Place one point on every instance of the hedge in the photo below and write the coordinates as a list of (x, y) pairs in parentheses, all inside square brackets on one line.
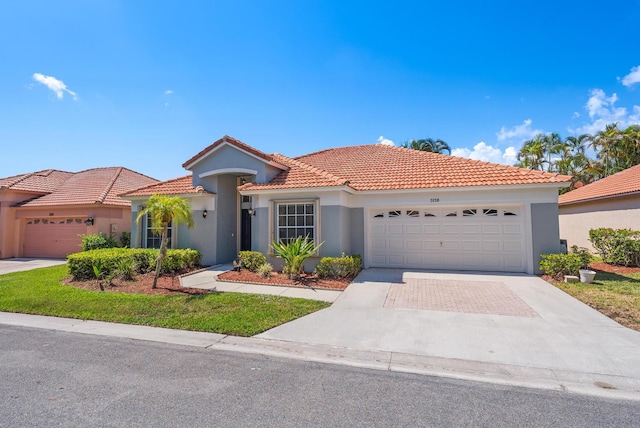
[(339, 267), (617, 246), (144, 259)]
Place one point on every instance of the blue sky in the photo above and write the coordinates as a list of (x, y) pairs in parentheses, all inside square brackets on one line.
[(147, 85)]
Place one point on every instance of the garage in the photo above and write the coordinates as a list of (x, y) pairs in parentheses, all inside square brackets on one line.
[(490, 238), (53, 237)]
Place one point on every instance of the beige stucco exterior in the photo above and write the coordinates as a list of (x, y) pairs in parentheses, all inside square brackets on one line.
[(622, 212)]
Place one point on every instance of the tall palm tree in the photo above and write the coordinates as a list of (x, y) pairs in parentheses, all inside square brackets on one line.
[(607, 144), (532, 154), (162, 210), (428, 145)]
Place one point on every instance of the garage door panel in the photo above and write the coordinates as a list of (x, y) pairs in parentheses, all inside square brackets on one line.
[(57, 237), (450, 229), (490, 229), (490, 241), (413, 245), (512, 229), (472, 229), (491, 245)]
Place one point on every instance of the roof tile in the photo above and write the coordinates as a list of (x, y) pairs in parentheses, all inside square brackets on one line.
[(92, 186), (381, 167), (175, 186), (621, 183)]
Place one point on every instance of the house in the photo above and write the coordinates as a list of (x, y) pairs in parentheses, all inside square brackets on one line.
[(42, 213), (613, 201), (396, 207)]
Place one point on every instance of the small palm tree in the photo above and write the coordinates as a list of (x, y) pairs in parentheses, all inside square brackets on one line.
[(162, 210)]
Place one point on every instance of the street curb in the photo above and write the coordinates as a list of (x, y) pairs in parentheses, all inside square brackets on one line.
[(592, 384)]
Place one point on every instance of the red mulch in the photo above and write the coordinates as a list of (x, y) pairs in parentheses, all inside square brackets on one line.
[(604, 267), (167, 284), (306, 280)]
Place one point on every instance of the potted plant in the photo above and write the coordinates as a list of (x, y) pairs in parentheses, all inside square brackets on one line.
[(586, 275)]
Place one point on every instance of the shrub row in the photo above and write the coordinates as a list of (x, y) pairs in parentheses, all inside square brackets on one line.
[(144, 260), (339, 267), (617, 246)]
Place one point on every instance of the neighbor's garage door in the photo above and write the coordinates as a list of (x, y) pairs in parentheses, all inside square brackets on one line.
[(467, 238), (53, 237)]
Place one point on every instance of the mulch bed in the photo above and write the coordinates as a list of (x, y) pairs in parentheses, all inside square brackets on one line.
[(167, 285), (306, 280), (605, 267)]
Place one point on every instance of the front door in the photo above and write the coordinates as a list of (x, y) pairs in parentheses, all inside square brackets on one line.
[(245, 231)]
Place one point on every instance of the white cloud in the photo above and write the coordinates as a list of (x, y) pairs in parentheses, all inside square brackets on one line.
[(603, 111), (168, 92), (522, 132), (57, 86), (483, 152), (385, 141), (632, 78)]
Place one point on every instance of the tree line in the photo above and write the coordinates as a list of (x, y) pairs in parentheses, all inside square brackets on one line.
[(615, 149)]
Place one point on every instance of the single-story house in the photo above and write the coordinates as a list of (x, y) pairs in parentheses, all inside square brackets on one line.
[(396, 207), (613, 201), (42, 213)]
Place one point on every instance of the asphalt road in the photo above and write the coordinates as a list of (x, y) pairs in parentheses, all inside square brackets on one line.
[(50, 378)]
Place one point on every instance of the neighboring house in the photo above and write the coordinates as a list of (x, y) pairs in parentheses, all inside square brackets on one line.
[(42, 213), (396, 207), (612, 202)]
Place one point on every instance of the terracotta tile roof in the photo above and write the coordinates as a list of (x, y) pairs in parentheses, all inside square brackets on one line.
[(45, 181), (232, 141), (175, 186), (624, 182), (92, 186), (382, 167)]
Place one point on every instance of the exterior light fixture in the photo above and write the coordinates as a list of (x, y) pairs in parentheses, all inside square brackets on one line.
[(89, 221), (251, 211), (205, 213)]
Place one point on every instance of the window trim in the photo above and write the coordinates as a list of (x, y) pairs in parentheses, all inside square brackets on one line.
[(145, 233), (275, 228)]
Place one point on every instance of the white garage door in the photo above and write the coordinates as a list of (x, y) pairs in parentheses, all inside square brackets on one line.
[(53, 237), (465, 238)]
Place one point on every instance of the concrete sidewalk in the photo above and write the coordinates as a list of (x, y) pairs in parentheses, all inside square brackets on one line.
[(22, 264), (207, 280)]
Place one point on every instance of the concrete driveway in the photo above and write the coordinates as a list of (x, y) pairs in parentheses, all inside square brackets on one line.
[(518, 320), (20, 264)]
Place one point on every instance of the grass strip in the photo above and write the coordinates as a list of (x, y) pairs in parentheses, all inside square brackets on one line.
[(41, 292), (615, 295)]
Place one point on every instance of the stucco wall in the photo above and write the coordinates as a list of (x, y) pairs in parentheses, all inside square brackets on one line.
[(357, 231), (544, 231), (617, 213)]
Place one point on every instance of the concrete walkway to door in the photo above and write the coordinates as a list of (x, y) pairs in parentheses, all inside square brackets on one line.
[(533, 327)]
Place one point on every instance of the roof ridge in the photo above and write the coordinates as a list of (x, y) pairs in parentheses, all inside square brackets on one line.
[(107, 189), (155, 184), (23, 177), (315, 170)]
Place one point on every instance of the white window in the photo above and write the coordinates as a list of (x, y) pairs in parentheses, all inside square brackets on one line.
[(294, 219), (152, 240)]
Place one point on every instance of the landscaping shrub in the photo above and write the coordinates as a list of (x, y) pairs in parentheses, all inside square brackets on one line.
[(121, 261), (125, 239), (584, 254), (265, 270), (617, 246), (559, 265), (339, 267), (251, 260), (294, 253), (95, 241)]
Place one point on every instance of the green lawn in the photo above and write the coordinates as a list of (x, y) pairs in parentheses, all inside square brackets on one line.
[(615, 295), (41, 292)]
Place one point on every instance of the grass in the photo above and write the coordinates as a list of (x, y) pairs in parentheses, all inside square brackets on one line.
[(615, 295), (41, 292)]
